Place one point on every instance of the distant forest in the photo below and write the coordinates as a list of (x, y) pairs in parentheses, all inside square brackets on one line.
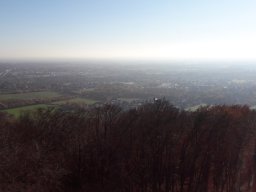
[(153, 148)]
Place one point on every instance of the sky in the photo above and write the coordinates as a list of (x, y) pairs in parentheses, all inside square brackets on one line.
[(128, 29)]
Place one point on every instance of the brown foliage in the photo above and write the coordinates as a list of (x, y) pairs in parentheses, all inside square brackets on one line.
[(154, 148)]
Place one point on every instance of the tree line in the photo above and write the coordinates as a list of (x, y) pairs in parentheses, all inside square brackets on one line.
[(154, 148)]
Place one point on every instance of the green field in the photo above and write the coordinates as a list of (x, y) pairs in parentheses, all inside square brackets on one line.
[(39, 95), (17, 111), (30, 95), (77, 101)]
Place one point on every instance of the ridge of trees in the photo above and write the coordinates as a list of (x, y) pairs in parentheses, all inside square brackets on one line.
[(155, 148)]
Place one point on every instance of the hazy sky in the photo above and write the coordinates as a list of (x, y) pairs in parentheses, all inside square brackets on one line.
[(133, 29)]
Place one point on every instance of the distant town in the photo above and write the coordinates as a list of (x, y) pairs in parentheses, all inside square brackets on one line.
[(31, 85)]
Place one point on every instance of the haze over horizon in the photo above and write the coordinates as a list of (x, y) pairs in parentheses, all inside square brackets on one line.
[(145, 29)]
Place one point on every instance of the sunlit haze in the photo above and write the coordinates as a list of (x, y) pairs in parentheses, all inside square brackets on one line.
[(128, 29)]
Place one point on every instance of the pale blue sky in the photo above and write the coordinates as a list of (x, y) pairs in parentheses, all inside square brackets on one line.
[(128, 29)]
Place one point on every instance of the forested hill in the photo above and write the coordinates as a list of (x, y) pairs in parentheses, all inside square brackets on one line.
[(155, 148)]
